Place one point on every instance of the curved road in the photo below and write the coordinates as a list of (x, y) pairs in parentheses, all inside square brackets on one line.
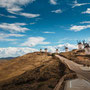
[(76, 68)]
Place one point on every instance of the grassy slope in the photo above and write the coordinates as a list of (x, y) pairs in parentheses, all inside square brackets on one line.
[(34, 71), (77, 56)]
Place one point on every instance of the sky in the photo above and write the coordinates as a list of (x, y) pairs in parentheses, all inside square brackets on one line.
[(28, 25)]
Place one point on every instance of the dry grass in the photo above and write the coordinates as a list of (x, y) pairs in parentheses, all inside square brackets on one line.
[(77, 56), (33, 71), (19, 65)]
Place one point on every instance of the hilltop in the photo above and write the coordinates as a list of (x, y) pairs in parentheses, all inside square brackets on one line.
[(33, 71), (77, 56)]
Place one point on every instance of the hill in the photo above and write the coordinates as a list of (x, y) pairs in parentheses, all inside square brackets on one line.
[(77, 56), (8, 58), (33, 71)]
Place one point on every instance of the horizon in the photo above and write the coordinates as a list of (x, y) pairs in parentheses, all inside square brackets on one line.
[(28, 25)]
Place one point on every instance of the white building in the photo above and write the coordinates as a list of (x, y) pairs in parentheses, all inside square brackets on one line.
[(66, 49), (87, 49), (80, 46), (46, 50), (40, 50), (57, 51)]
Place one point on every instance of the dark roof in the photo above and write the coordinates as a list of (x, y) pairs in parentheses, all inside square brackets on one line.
[(79, 43), (66, 47), (45, 48), (86, 45)]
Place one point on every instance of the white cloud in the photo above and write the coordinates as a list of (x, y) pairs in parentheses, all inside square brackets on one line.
[(73, 40), (79, 28), (14, 10), (9, 16), (76, 4), (57, 11), (33, 41), (6, 37), (87, 11), (61, 47), (14, 27), (49, 32), (64, 40), (50, 48), (70, 46), (85, 22), (54, 2), (15, 51), (29, 15), (14, 5), (11, 35)]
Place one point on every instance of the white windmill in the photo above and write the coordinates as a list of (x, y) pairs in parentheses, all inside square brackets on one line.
[(57, 49), (46, 50), (40, 50), (66, 48), (86, 48), (80, 45)]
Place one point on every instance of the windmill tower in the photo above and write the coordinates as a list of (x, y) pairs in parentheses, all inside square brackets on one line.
[(80, 45), (40, 50), (66, 49), (46, 50), (86, 48), (57, 51)]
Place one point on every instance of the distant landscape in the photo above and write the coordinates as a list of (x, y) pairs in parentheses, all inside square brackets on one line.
[(38, 70), (8, 58), (44, 44)]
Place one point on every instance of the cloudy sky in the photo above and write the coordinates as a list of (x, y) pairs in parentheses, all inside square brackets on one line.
[(27, 25)]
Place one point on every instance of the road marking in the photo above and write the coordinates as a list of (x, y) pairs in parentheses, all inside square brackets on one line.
[(70, 84)]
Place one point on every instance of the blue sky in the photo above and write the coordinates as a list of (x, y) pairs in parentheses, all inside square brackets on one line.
[(43, 23)]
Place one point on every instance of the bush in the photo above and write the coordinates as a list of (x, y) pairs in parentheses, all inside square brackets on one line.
[(53, 55)]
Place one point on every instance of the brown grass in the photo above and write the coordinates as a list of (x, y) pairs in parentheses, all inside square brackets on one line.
[(33, 71), (77, 56)]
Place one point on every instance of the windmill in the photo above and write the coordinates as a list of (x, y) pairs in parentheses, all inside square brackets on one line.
[(80, 45), (57, 49), (40, 50), (84, 43), (86, 48), (46, 50), (66, 48)]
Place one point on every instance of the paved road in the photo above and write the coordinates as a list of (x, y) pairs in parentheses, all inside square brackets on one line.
[(82, 73), (76, 67), (77, 84)]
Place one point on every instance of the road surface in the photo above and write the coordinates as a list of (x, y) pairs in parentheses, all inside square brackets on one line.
[(76, 68), (82, 73), (77, 84)]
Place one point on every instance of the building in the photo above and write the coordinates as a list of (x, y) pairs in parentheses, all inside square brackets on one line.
[(57, 51), (46, 50), (40, 50), (80, 45), (87, 49), (66, 49)]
